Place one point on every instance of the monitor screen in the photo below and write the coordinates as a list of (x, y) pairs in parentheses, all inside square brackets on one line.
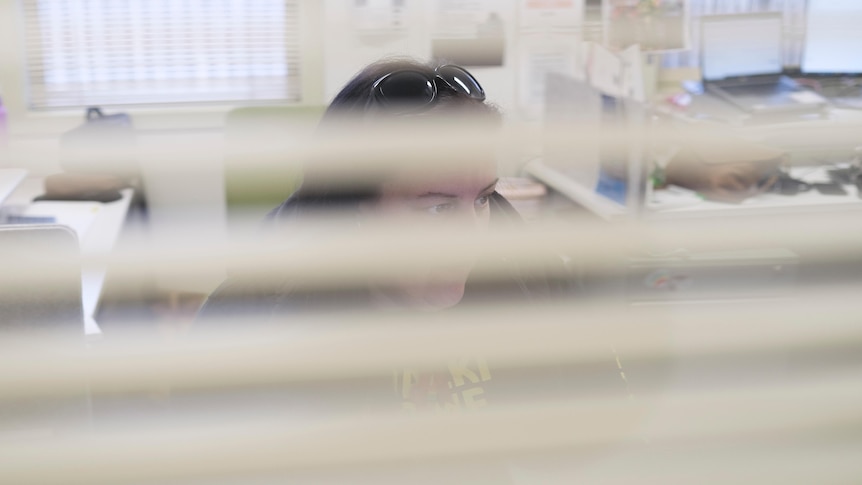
[(741, 45), (571, 102), (833, 40), (605, 177)]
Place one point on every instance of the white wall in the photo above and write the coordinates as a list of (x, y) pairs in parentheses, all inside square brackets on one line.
[(345, 55)]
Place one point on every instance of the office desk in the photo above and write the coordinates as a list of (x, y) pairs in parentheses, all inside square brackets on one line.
[(97, 235), (674, 203), (830, 133), (679, 203)]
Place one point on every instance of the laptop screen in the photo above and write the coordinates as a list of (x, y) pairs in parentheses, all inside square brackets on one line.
[(833, 39), (741, 45)]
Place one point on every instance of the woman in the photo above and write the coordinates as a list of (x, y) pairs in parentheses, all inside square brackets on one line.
[(457, 194), (399, 99), (460, 197)]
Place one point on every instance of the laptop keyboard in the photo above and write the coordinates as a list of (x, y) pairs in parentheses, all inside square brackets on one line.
[(762, 90), (841, 90)]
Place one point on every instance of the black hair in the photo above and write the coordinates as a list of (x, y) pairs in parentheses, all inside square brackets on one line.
[(354, 104), (356, 96)]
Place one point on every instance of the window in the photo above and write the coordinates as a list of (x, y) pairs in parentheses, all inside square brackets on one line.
[(125, 52)]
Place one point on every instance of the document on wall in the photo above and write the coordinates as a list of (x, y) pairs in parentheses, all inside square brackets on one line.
[(619, 74), (657, 26), (633, 84), (604, 69), (468, 32), (461, 18), (540, 55), (550, 15), (379, 17)]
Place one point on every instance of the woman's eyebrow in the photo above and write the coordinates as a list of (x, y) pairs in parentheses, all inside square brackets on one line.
[(452, 196), (437, 194)]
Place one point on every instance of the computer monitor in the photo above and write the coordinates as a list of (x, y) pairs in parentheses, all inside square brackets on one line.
[(40, 301), (833, 40), (741, 45), (606, 178)]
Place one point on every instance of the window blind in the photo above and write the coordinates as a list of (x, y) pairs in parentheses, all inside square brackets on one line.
[(126, 52)]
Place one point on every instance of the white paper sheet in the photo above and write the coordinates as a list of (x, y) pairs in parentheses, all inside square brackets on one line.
[(379, 17), (604, 69), (456, 19), (632, 85), (656, 26), (550, 15)]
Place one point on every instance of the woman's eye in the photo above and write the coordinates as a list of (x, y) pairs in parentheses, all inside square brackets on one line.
[(483, 201), (441, 208)]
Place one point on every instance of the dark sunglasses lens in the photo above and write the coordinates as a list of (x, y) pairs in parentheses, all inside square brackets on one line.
[(407, 88), (462, 81)]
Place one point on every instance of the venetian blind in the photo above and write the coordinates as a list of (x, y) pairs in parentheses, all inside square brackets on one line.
[(126, 52)]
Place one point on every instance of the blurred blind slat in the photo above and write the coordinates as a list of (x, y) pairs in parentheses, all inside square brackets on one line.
[(121, 52)]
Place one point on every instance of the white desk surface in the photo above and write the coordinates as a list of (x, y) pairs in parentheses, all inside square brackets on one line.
[(97, 235), (678, 202), (833, 132)]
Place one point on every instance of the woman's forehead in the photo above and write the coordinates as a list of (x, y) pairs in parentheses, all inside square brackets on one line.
[(470, 179)]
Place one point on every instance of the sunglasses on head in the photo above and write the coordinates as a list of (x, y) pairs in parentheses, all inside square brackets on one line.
[(409, 90)]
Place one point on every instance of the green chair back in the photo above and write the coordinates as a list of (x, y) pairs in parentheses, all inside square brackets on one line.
[(261, 166)]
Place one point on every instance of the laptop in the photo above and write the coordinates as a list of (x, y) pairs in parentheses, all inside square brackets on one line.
[(742, 63), (830, 56)]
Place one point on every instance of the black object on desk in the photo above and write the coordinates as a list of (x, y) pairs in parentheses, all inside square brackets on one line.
[(843, 176), (94, 196), (787, 185), (830, 188)]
